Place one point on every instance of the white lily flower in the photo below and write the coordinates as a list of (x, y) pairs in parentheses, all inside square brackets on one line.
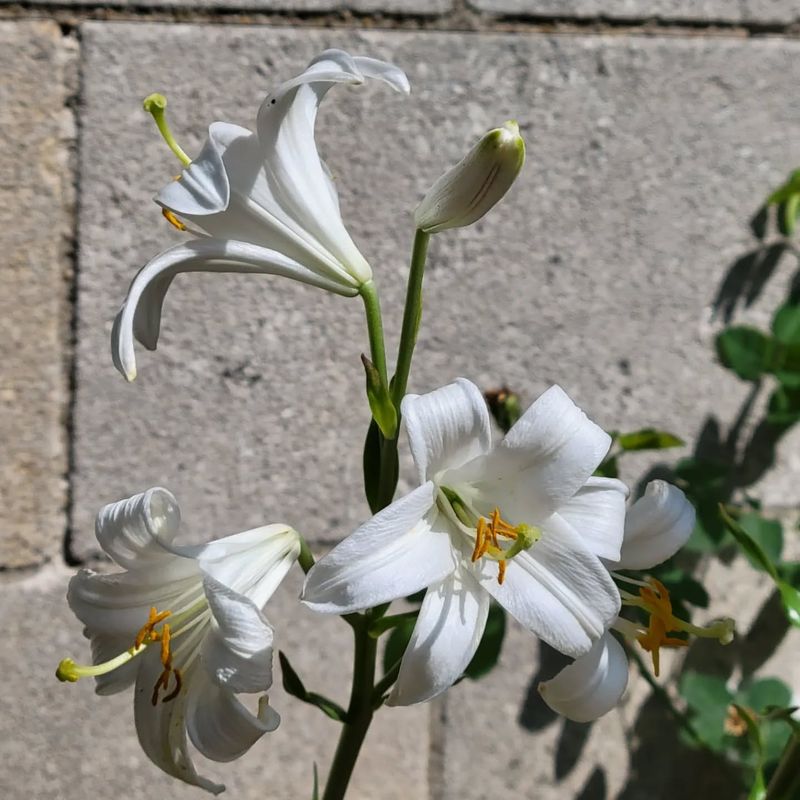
[(658, 524), (184, 624), (523, 523), (265, 200)]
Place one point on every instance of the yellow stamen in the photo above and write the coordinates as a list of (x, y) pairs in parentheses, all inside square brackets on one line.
[(172, 219), (68, 670), (655, 600), (489, 532), (147, 630)]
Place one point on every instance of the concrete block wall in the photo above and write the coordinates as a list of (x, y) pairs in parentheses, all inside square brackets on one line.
[(653, 132)]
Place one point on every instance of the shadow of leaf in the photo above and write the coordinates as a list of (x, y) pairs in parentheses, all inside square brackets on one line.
[(595, 788), (535, 714), (571, 744)]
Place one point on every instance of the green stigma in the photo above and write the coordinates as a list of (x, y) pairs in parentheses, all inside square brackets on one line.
[(156, 105)]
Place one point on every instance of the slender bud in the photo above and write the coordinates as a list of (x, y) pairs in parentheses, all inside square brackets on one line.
[(469, 189)]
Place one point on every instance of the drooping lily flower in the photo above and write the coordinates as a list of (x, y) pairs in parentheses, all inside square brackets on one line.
[(523, 523), (656, 527), (184, 624), (264, 203)]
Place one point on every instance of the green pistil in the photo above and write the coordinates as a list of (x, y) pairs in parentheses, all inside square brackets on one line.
[(156, 105)]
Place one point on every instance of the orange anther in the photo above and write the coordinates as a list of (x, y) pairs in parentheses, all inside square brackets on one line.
[(172, 219), (501, 571)]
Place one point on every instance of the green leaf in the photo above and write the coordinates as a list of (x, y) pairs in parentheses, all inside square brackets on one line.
[(383, 624), (786, 324), (768, 533), (746, 351), (608, 469), (784, 192), (315, 790), (372, 465), (682, 587), (396, 643), (295, 687), (783, 409), (708, 699), (790, 212), (488, 652), (380, 402), (790, 597), (291, 680), (760, 694), (648, 439)]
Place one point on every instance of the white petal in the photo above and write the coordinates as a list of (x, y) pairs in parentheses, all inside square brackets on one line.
[(398, 552), (447, 427), (297, 179), (220, 727), (547, 456), (119, 604), (592, 685), (105, 647), (658, 524), (597, 512), (137, 531), (140, 315), (383, 71), (557, 590), (446, 636), (252, 563), (161, 728), (203, 187), (237, 650)]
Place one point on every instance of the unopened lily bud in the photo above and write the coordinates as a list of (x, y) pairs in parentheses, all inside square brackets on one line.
[(469, 189)]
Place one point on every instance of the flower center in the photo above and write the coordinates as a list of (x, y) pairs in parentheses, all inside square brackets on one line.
[(654, 599), (148, 634), (495, 538)]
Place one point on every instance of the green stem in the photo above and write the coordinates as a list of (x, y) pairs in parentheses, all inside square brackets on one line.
[(377, 348), (411, 317), (785, 783), (359, 712)]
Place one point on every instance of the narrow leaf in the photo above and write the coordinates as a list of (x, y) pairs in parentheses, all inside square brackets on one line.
[(380, 402), (648, 439), (291, 680), (790, 597)]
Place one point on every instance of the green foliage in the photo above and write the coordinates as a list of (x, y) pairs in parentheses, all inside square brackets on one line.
[(380, 403), (767, 533), (488, 653), (708, 699), (745, 350), (790, 597), (707, 484), (295, 687), (648, 439), (397, 642)]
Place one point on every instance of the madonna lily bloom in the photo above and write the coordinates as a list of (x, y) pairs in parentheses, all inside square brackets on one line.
[(523, 523), (184, 625), (264, 202), (656, 527)]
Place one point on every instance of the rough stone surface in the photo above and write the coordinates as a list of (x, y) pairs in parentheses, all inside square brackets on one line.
[(743, 11), (35, 229), (646, 159), (389, 7), (65, 743)]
